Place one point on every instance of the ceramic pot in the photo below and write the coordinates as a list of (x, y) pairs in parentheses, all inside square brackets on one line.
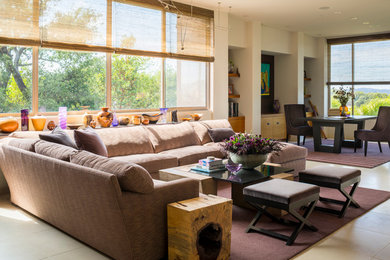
[(51, 125), (87, 118), (9, 125), (124, 120), (105, 117), (248, 161), (38, 122)]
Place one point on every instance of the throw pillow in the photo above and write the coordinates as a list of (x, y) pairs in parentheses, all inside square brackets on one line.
[(25, 144), (57, 151), (58, 136), (90, 141), (220, 134), (131, 177)]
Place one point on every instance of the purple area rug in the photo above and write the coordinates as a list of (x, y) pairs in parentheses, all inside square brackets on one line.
[(347, 156), (247, 246)]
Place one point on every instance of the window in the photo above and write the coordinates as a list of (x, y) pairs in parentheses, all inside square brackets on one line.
[(185, 83), (136, 82), (363, 67), (71, 79), (15, 78), (129, 55)]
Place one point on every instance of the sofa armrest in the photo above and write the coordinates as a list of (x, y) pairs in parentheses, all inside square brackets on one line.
[(145, 215)]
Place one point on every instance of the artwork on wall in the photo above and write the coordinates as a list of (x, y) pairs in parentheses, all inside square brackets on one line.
[(265, 79)]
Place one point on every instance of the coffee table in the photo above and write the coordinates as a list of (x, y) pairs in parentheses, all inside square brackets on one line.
[(239, 180)]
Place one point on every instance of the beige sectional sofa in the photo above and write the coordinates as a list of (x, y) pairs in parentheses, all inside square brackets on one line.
[(93, 204), (157, 147)]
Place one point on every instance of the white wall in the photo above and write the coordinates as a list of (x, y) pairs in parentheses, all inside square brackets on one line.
[(219, 71), (311, 47), (276, 41), (237, 32)]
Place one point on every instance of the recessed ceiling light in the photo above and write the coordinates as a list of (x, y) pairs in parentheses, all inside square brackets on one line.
[(366, 23), (354, 18), (337, 12), (324, 8)]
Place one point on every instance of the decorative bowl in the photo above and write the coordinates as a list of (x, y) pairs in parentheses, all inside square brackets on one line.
[(153, 119), (9, 125), (74, 126), (196, 117)]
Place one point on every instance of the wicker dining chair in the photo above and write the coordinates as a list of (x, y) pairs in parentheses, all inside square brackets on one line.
[(294, 114), (379, 133)]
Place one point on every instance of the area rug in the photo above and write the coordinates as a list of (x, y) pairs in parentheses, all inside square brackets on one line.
[(248, 246), (347, 156)]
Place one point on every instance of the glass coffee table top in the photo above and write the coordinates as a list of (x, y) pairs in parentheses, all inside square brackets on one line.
[(243, 176)]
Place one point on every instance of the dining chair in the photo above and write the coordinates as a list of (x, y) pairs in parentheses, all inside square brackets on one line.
[(295, 123), (379, 133)]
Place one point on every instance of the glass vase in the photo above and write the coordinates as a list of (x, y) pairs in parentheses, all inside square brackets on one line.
[(24, 119), (62, 116)]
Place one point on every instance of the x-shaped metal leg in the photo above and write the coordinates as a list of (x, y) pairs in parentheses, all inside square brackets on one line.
[(302, 221), (349, 201)]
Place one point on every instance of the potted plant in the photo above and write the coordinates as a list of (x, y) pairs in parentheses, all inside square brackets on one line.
[(250, 150), (342, 94)]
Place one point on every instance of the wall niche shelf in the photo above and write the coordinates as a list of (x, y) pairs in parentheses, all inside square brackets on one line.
[(234, 96), (307, 79), (307, 96)]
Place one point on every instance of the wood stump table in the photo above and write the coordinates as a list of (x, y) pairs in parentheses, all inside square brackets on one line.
[(199, 228)]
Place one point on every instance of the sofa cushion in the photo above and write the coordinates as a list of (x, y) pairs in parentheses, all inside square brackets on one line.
[(167, 137), (152, 162), (58, 136), (289, 152), (126, 140), (90, 141), (202, 127), (131, 177), (220, 134), (35, 134), (25, 144), (192, 154), (57, 151)]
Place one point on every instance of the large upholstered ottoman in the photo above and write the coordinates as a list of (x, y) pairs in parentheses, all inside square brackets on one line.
[(336, 178), (291, 156), (286, 195)]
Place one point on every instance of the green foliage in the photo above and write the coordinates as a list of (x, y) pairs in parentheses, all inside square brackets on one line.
[(135, 82), (71, 79), (372, 107)]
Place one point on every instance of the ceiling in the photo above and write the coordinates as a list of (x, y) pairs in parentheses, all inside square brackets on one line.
[(319, 18)]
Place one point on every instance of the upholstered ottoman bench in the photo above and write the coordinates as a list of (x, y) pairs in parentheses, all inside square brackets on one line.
[(336, 178), (282, 194)]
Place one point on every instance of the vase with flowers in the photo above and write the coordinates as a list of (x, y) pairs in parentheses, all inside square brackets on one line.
[(343, 94), (250, 150)]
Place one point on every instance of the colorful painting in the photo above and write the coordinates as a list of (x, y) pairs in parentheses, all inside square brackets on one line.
[(265, 79)]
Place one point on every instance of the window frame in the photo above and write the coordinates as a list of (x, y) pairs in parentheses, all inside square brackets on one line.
[(352, 83), (35, 90)]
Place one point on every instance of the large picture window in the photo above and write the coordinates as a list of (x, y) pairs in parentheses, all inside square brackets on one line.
[(364, 69)]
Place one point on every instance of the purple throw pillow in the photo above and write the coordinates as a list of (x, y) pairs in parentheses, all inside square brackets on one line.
[(220, 134), (90, 141)]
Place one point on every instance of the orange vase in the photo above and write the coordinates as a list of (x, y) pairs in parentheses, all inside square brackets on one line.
[(343, 110), (104, 117)]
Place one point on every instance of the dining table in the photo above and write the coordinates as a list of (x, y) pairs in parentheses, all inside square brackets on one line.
[(338, 123)]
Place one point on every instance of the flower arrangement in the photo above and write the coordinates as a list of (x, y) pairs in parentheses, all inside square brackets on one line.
[(343, 94), (243, 143)]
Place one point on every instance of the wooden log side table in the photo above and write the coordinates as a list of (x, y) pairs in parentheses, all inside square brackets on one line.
[(199, 228)]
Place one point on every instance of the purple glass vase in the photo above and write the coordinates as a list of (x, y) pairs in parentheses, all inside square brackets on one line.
[(62, 113), (24, 119), (115, 121)]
